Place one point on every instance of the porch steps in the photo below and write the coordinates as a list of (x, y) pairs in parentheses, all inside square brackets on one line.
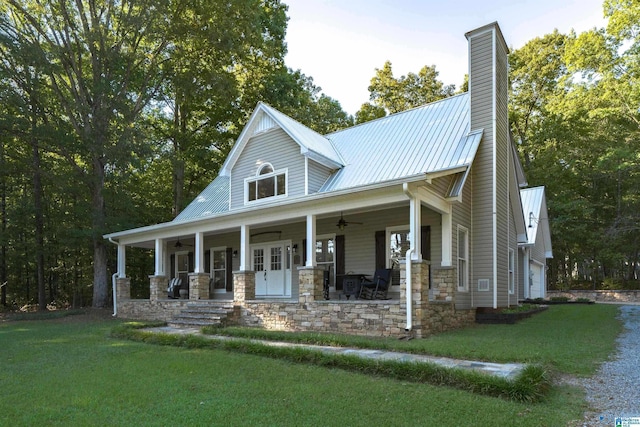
[(198, 314)]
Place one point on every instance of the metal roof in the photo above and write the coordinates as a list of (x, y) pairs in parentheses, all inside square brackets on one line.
[(311, 142), (532, 199), (431, 138), (213, 199), (427, 139)]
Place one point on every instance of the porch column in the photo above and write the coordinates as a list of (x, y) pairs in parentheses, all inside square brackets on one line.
[(415, 223), (122, 260), (159, 257), (446, 239), (311, 241), (245, 245), (198, 266)]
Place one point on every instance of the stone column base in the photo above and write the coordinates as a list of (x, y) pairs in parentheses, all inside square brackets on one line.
[(158, 287), (123, 288), (199, 286), (244, 286), (310, 279)]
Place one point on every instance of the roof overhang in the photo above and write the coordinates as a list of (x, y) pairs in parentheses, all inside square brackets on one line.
[(385, 193)]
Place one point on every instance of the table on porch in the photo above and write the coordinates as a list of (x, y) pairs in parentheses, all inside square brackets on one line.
[(351, 284)]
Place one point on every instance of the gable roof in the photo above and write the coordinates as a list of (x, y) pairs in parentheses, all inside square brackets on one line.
[(312, 144), (534, 207), (423, 143)]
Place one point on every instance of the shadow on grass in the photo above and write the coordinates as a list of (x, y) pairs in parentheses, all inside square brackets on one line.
[(531, 385)]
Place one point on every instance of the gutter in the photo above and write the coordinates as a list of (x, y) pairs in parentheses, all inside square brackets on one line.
[(113, 285)]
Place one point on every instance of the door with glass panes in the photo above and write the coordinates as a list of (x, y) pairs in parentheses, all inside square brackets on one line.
[(272, 265)]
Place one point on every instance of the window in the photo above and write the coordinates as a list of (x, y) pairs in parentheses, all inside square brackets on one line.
[(463, 259), (267, 183), (219, 269), (511, 271), (325, 255), (398, 243)]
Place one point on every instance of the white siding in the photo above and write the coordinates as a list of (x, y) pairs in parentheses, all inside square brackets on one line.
[(318, 175), (275, 147)]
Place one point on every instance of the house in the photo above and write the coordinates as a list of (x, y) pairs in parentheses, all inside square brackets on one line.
[(434, 193), (534, 252)]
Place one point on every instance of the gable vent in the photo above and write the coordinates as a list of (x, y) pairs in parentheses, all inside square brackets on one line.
[(264, 124)]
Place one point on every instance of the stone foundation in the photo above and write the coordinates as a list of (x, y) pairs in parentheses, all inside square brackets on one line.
[(312, 313)]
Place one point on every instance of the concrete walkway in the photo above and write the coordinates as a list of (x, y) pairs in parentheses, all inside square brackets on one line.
[(505, 370)]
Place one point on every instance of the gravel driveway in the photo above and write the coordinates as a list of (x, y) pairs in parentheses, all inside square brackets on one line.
[(614, 391)]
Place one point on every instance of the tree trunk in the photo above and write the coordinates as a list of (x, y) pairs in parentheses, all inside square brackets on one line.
[(3, 221), (100, 283), (39, 229)]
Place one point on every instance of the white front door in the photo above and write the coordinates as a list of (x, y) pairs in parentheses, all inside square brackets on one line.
[(537, 280), (272, 265)]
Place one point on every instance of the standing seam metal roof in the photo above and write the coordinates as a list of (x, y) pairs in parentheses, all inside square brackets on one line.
[(432, 138), (425, 139), (532, 203)]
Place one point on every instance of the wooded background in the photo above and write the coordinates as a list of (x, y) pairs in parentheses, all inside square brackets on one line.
[(115, 114)]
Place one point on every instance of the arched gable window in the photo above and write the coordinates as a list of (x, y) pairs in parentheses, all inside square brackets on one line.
[(267, 183)]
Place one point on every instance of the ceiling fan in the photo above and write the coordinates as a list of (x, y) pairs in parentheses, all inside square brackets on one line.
[(179, 244), (342, 223)]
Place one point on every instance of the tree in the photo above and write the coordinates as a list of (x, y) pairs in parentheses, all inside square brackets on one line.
[(398, 94)]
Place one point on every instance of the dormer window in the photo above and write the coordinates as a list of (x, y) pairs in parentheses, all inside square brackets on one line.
[(267, 183)]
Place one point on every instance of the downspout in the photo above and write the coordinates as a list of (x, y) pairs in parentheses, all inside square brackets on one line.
[(407, 260), (409, 290), (113, 285)]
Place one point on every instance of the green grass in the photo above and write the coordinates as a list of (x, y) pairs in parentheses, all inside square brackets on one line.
[(572, 339), (64, 372)]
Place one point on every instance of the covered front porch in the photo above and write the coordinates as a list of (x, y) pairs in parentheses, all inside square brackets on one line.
[(273, 268)]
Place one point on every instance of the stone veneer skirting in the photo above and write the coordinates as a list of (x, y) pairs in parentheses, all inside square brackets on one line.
[(312, 313)]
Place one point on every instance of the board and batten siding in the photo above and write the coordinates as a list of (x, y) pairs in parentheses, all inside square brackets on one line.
[(489, 240), (272, 146)]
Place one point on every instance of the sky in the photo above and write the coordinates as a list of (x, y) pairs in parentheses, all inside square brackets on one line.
[(340, 43)]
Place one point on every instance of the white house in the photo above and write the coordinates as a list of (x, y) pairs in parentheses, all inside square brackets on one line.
[(433, 193)]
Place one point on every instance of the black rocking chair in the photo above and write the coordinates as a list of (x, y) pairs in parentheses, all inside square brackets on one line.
[(378, 286)]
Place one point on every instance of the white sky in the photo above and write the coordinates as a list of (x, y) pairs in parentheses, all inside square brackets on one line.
[(340, 43)]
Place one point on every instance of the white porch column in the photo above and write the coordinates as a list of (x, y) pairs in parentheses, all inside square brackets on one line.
[(245, 246), (526, 274), (447, 234), (415, 225), (311, 241), (122, 260), (159, 257), (198, 266)]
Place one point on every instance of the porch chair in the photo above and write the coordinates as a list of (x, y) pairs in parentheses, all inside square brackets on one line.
[(378, 286), (174, 288)]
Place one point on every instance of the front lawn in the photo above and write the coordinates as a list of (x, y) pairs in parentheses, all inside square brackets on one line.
[(70, 372)]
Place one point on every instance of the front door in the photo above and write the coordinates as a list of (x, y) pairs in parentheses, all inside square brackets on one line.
[(272, 265)]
